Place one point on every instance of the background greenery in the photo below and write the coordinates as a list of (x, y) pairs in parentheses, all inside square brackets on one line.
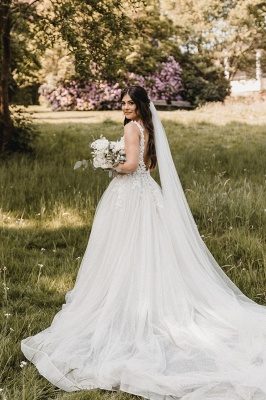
[(54, 42), (47, 209)]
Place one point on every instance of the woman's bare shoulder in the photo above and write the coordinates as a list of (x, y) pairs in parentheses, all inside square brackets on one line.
[(131, 128)]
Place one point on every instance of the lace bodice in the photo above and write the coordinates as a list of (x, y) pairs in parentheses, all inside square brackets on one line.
[(142, 166), (139, 181), (142, 169)]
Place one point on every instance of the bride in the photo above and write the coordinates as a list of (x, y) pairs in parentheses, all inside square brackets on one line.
[(151, 312)]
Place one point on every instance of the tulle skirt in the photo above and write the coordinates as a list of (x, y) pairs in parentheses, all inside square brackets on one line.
[(133, 322)]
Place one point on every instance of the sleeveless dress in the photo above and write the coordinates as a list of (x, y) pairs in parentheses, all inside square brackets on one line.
[(129, 323)]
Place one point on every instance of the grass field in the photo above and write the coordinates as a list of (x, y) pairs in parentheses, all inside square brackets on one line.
[(47, 209)]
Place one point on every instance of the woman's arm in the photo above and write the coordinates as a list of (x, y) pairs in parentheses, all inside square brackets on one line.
[(131, 139)]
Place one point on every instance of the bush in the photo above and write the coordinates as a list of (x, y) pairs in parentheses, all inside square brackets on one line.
[(26, 95), (203, 81), (24, 133), (164, 84)]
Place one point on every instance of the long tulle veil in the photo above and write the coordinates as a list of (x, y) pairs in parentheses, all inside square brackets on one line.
[(198, 265)]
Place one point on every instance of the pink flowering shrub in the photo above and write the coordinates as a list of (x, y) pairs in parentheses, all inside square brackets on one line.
[(164, 84)]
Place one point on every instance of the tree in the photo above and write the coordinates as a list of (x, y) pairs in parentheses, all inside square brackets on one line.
[(221, 30), (92, 31), (152, 42)]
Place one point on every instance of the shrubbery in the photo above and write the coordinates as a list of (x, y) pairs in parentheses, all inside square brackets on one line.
[(203, 81), (165, 84)]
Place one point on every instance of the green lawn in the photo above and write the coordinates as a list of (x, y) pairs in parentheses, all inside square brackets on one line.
[(47, 208)]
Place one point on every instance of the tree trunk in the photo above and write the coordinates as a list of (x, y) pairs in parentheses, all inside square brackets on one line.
[(5, 117)]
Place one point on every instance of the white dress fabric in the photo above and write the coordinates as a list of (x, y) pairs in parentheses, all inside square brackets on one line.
[(136, 322)]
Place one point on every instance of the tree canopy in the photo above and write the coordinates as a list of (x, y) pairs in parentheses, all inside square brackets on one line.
[(92, 31), (226, 29)]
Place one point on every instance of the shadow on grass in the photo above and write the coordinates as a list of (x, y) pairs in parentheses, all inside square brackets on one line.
[(41, 264)]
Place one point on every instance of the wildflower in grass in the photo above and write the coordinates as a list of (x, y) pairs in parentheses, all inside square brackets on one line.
[(40, 272), (6, 289), (7, 315), (43, 249), (23, 364), (1, 390)]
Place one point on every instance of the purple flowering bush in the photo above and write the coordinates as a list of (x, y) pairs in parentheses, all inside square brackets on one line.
[(164, 84)]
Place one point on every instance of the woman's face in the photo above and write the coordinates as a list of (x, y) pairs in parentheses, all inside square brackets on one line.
[(129, 108)]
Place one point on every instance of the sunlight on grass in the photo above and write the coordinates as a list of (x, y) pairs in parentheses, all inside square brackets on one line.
[(214, 113), (59, 218), (57, 285)]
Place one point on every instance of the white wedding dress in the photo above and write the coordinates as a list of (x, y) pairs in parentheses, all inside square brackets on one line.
[(150, 313)]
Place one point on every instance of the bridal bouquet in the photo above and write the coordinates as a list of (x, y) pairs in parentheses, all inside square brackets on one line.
[(105, 154)]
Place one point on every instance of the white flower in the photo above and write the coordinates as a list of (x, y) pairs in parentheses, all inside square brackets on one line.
[(106, 165), (101, 162), (7, 315), (100, 144), (119, 146), (100, 154), (97, 162)]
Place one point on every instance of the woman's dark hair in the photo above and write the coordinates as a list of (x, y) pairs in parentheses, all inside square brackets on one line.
[(140, 97)]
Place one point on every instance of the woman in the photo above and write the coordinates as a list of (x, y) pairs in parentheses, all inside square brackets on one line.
[(151, 312)]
